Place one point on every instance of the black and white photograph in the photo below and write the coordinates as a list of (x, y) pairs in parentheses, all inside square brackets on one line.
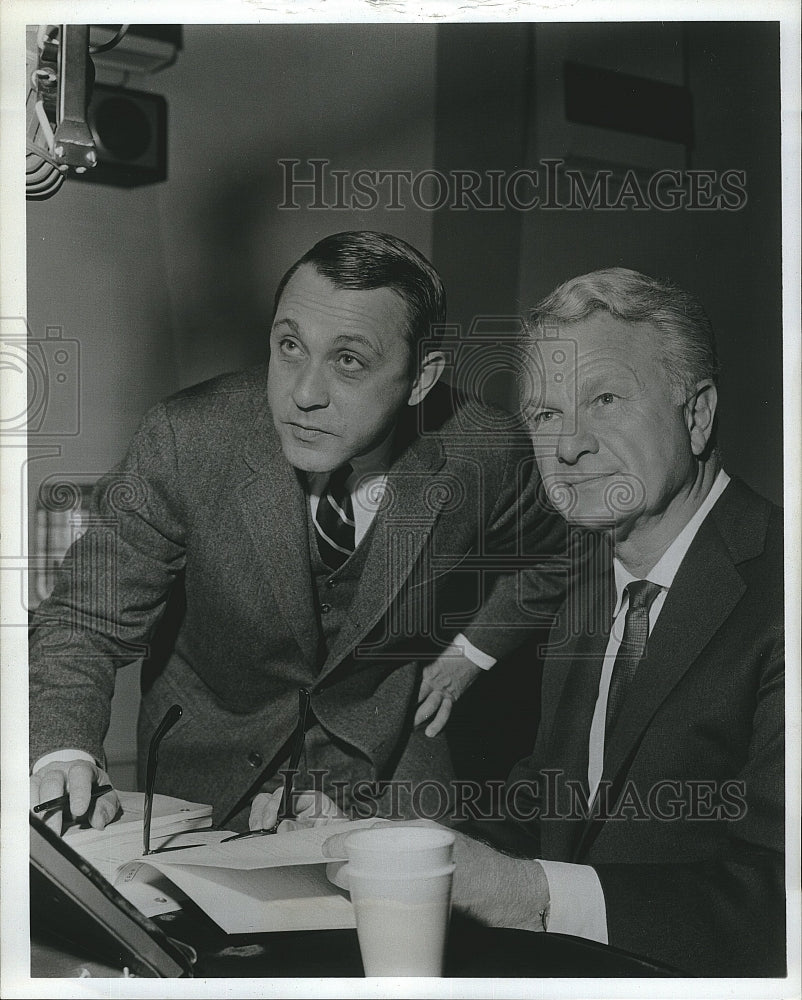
[(400, 446)]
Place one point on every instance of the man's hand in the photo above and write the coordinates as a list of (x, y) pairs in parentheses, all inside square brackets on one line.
[(496, 889), (77, 778), (444, 681), (311, 809)]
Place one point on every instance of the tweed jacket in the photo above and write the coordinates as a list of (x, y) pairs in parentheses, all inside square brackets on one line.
[(204, 526), (688, 840)]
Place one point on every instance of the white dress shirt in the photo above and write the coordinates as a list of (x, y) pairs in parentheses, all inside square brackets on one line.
[(577, 901)]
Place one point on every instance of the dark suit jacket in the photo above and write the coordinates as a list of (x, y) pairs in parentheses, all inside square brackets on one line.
[(205, 507), (690, 851)]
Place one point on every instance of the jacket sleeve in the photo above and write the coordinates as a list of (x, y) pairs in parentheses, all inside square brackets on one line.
[(110, 593), (524, 548)]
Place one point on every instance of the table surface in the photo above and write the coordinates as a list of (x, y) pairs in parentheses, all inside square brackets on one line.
[(473, 951)]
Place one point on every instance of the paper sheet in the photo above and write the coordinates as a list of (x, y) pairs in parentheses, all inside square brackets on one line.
[(299, 847), (246, 901), (116, 851), (149, 889)]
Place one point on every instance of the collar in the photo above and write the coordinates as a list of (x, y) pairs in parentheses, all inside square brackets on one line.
[(665, 569), (368, 467)]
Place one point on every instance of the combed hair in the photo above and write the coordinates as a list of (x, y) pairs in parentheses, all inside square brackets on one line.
[(686, 335), (365, 260)]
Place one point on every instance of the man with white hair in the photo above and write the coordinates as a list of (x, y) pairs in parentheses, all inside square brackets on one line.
[(654, 798)]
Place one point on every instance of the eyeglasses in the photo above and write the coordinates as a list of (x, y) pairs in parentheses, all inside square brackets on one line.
[(172, 716), (286, 810)]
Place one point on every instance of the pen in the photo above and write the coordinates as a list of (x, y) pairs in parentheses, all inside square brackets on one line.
[(62, 800)]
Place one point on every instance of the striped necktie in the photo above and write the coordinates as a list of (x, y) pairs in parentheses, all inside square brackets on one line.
[(334, 520), (633, 646)]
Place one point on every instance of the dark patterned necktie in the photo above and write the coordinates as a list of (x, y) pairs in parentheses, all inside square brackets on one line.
[(633, 645), (334, 520)]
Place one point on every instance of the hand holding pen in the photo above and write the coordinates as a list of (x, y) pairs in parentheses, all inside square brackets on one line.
[(71, 789)]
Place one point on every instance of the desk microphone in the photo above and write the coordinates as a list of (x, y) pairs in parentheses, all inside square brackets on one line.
[(172, 716)]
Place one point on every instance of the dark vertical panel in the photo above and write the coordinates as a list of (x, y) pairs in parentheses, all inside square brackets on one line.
[(481, 113), (481, 110), (737, 257)]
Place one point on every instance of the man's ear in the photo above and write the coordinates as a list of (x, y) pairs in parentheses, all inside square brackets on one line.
[(700, 412), (430, 371)]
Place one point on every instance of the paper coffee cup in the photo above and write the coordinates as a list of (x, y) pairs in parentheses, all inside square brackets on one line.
[(400, 885)]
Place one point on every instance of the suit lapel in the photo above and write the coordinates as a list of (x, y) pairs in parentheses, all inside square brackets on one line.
[(400, 530), (704, 593), (691, 616), (272, 502), (586, 616), (570, 692), (567, 743)]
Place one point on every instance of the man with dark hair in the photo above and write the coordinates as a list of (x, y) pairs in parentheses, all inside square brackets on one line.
[(320, 528), (369, 260)]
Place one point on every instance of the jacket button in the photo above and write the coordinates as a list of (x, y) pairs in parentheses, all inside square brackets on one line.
[(255, 758), (331, 584), (325, 608)]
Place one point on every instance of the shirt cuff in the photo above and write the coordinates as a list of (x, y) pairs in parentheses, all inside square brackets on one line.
[(576, 901), (64, 755), (476, 656)]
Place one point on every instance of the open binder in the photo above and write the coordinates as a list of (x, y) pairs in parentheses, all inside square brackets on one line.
[(72, 902)]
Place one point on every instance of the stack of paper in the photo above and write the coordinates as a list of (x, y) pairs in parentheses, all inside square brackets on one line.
[(116, 851), (276, 882), (169, 816)]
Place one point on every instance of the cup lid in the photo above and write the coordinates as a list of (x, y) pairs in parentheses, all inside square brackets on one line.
[(397, 839), (340, 876)]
